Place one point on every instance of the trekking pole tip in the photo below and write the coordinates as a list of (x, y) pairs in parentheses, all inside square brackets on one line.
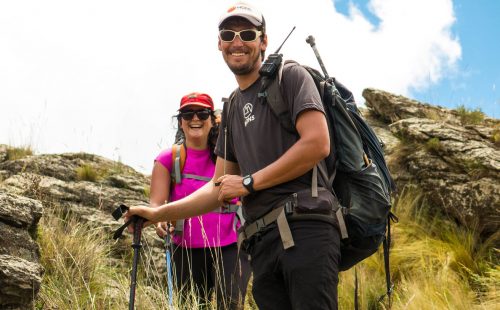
[(310, 40)]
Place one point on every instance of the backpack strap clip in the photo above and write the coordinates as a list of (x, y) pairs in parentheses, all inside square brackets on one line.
[(278, 215)]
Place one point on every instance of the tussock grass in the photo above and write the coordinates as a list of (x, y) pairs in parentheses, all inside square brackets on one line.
[(14, 153), (470, 116), (85, 269), (495, 137), (433, 145), (77, 268), (434, 265), (86, 173)]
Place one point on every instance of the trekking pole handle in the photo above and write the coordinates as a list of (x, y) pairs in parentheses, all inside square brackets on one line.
[(137, 232), (311, 41), (168, 237)]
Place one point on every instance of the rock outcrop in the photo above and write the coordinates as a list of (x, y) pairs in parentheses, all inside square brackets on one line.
[(456, 164), (87, 186), (20, 270)]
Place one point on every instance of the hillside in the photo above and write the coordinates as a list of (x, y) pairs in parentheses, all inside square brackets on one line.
[(56, 250)]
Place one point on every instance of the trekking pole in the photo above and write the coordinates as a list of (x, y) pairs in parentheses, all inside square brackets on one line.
[(136, 245), (311, 41), (168, 242)]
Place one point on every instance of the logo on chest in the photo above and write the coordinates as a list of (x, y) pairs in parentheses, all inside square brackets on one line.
[(247, 113)]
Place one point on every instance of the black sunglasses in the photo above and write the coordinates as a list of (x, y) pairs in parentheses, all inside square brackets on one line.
[(188, 115), (247, 35)]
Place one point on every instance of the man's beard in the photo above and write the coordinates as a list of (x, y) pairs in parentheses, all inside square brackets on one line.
[(242, 70), (245, 68)]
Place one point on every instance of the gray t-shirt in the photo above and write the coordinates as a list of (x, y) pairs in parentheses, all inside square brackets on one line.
[(255, 137)]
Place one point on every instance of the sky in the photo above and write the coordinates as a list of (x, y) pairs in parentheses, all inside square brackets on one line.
[(106, 76)]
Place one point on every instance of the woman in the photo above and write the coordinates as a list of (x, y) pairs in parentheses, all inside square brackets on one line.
[(205, 250)]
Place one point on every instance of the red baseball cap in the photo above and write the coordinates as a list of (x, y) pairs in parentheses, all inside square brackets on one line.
[(197, 99)]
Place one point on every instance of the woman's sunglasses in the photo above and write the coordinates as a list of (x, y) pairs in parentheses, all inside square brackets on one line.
[(248, 35), (201, 114)]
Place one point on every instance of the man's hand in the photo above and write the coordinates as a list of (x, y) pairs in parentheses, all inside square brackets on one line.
[(231, 186)]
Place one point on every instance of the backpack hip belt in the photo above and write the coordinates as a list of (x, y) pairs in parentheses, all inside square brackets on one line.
[(281, 215)]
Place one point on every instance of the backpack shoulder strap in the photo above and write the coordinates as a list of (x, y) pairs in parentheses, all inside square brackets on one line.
[(227, 106), (178, 161), (271, 93)]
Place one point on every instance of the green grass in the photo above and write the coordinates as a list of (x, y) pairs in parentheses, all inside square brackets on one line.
[(434, 145), (470, 116)]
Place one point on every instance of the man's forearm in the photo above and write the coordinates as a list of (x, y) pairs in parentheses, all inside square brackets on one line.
[(298, 160)]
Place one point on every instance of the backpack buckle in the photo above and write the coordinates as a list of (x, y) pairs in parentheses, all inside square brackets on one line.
[(290, 204), (260, 224)]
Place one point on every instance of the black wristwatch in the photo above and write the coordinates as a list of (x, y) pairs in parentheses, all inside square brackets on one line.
[(248, 183)]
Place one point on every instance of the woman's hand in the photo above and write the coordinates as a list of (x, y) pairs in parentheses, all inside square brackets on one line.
[(163, 228), (149, 214)]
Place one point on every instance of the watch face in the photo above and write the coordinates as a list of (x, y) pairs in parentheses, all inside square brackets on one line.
[(246, 181)]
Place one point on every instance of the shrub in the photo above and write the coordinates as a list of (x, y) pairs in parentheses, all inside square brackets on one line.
[(469, 116)]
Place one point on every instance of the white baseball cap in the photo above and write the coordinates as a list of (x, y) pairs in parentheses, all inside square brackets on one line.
[(246, 11)]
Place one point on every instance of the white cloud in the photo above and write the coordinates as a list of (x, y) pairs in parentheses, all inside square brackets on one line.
[(106, 76)]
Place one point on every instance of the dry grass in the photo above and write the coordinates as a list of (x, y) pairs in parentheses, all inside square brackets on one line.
[(434, 264), (470, 116), (86, 173), (14, 153), (434, 145)]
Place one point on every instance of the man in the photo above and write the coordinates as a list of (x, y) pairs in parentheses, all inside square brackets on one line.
[(294, 258)]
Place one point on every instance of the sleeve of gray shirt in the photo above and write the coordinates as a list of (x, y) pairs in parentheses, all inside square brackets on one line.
[(299, 91)]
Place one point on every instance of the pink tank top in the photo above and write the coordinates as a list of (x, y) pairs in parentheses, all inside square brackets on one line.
[(208, 230)]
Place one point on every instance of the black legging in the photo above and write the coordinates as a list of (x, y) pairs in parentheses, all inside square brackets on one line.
[(213, 269)]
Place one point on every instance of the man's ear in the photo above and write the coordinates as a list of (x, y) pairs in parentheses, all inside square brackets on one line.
[(263, 44), (219, 44)]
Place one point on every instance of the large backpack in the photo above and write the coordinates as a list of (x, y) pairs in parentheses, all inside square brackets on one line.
[(355, 170)]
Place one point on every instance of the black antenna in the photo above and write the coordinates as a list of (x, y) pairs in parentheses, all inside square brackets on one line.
[(277, 51)]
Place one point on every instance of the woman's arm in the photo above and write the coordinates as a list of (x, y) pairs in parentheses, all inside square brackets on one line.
[(159, 192)]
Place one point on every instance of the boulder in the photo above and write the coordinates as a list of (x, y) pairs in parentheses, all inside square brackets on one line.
[(20, 270)]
